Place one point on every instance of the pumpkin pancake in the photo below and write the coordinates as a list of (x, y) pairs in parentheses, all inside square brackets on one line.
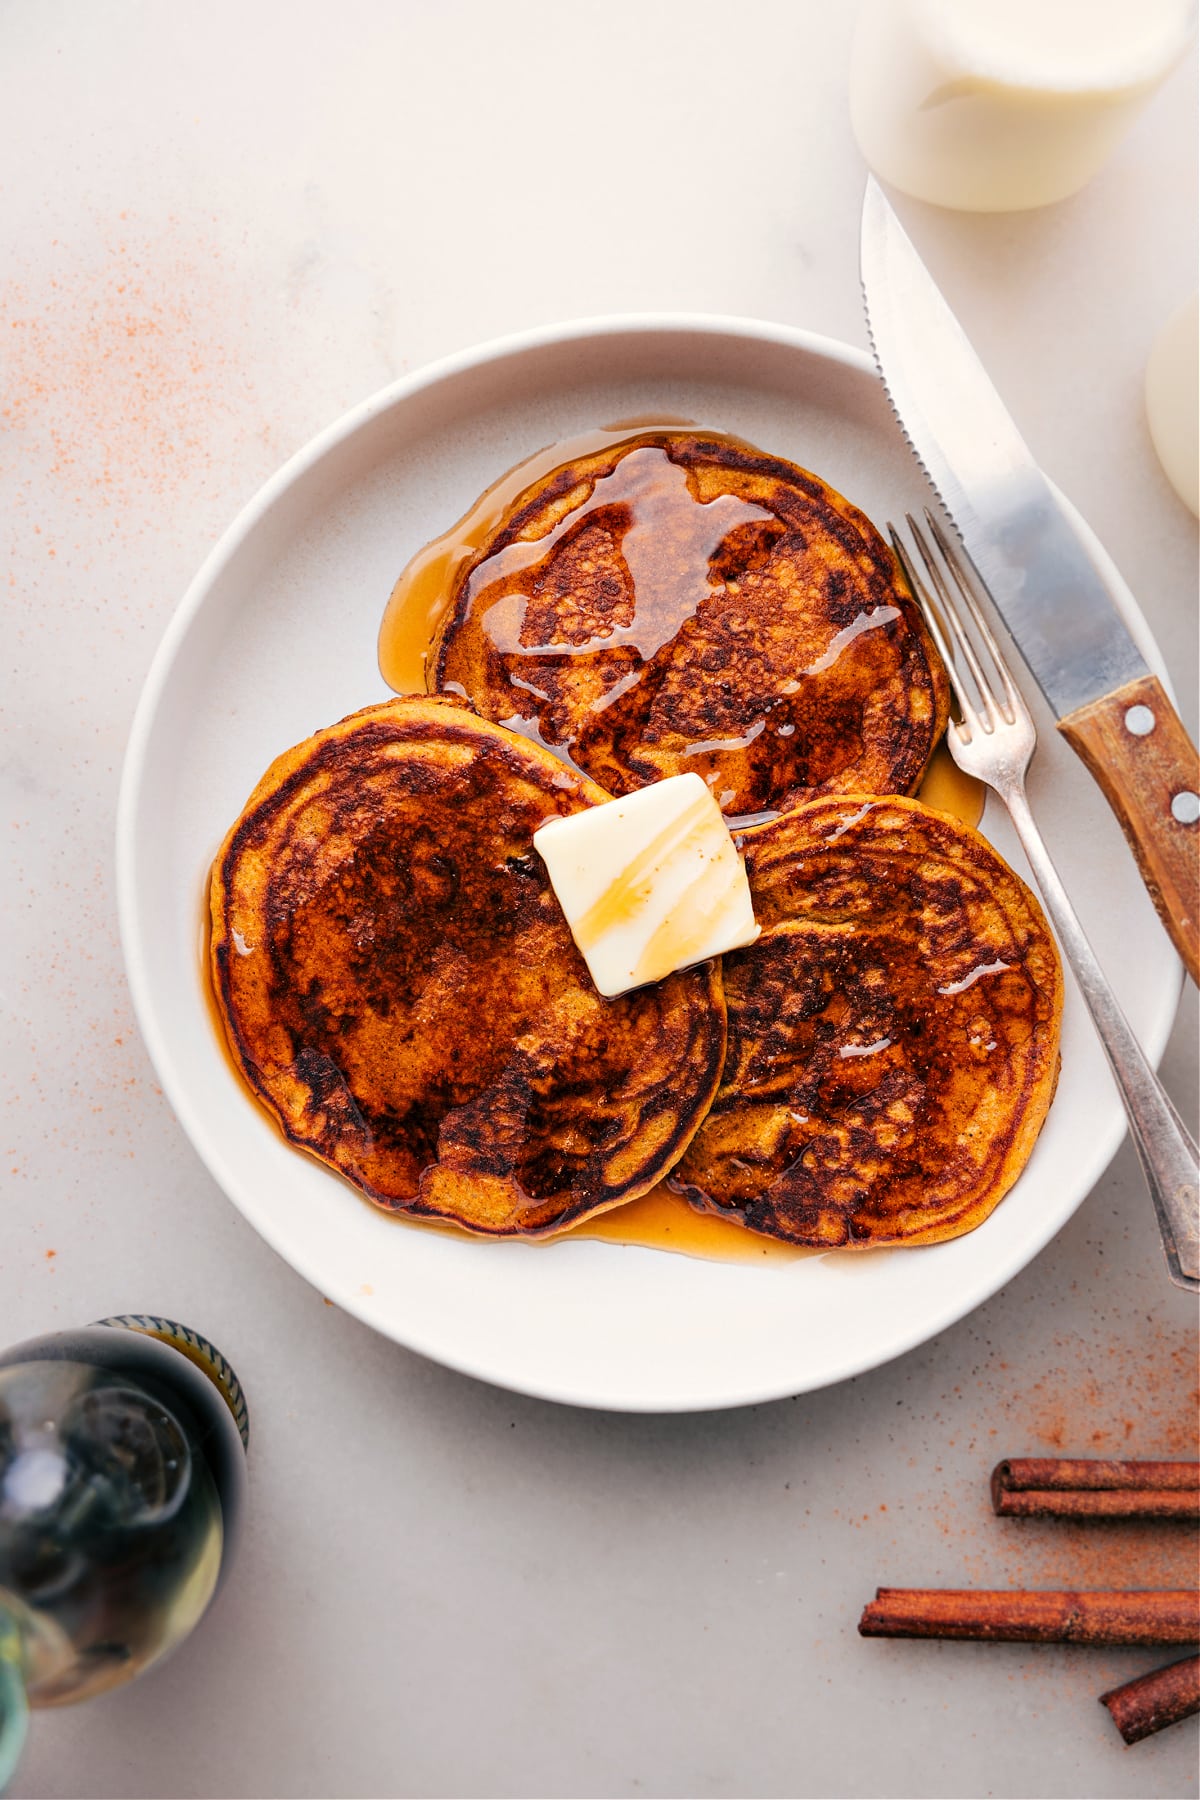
[(681, 602), (893, 1034), (401, 991)]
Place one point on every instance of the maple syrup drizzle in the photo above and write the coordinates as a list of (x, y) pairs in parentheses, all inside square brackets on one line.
[(667, 549), (866, 621), (668, 538), (420, 598), (422, 593)]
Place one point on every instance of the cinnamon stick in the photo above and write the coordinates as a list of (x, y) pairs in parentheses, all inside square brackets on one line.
[(1075, 1488), (1161, 1698), (1133, 1616)]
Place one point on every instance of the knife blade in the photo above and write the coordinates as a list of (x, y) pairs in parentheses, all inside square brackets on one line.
[(1059, 611)]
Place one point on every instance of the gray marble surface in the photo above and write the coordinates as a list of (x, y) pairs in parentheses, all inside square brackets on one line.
[(220, 226)]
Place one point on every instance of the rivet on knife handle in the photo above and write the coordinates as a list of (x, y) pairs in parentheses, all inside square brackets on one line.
[(1135, 746)]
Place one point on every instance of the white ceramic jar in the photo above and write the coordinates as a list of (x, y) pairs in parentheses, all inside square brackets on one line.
[(997, 105), (1173, 401)]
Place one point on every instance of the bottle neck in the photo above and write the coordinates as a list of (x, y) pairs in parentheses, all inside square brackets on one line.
[(198, 1351)]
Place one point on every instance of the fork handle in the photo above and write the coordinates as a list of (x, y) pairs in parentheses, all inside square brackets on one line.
[(1169, 1158), (1134, 744)]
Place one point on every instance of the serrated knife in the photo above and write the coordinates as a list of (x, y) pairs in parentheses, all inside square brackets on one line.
[(1111, 709)]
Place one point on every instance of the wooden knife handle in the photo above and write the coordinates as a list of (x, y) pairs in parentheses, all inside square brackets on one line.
[(1134, 743)]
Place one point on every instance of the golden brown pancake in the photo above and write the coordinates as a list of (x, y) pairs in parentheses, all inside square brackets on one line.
[(400, 988), (682, 602), (893, 1034)]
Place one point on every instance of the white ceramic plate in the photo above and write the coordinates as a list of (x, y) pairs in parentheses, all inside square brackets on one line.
[(276, 637)]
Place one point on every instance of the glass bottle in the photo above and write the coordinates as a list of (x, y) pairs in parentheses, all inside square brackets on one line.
[(122, 1480)]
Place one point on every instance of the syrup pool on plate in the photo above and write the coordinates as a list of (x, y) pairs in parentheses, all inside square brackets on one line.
[(946, 788), (663, 1220)]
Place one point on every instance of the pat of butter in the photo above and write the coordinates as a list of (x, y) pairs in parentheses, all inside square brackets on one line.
[(649, 883)]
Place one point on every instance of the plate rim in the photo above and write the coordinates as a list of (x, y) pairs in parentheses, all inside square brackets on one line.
[(323, 443)]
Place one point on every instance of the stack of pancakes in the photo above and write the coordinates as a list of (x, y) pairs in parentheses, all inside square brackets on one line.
[(399, 986)]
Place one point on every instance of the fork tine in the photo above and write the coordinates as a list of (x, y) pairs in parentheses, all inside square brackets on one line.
[(980, 709), (967, 583), (934, 620), (953, 620)]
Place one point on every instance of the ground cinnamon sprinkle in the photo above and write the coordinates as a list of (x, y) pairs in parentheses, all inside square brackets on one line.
[(1132, 1401), (137, 351), (120, 383), (1060, 1396), (154, 369), (126, 399)]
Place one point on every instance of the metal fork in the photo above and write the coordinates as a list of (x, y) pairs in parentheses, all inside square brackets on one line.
[(995, 742)]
